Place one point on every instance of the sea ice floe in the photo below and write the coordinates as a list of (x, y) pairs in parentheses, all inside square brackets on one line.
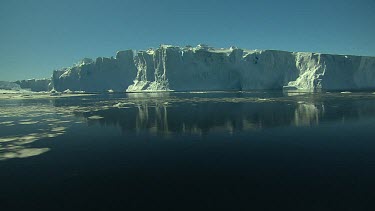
[(95, 117)]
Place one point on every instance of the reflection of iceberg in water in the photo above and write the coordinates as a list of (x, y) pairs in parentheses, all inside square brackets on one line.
[(307, 114), (164, 114), (162, 118), (152, 111), (178, 113), (158, 116), (142, 117), (155, 122)]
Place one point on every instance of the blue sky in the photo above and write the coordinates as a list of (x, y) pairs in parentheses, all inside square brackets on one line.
[(38, 36)]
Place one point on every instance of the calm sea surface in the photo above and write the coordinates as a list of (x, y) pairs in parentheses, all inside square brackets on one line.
[(188, 151)]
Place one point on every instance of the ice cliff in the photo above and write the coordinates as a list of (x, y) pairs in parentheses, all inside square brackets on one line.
[(100, 75), (35, 85), (205, 68), (6, 85)]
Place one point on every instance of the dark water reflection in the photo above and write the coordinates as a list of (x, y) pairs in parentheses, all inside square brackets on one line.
[(189, 151), (165, 113)]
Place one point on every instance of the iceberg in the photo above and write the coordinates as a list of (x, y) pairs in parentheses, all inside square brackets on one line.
[(6, 85), (97, 76), (204, 68), (35, 85)]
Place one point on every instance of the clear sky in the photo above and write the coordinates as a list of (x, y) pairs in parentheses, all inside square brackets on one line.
[(38, 36)]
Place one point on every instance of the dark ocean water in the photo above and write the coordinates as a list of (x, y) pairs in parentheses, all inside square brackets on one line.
[(189, 151)]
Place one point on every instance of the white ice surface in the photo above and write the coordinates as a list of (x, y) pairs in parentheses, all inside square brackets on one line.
[(204, 68)]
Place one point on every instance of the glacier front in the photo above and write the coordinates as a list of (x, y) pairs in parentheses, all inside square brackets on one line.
[(35, 85), (100, 75), (203, 68)]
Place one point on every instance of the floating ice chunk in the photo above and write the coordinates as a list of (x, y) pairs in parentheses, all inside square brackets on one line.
[(28, 122), (95, 117), (122, 105), (23, 153), (58, 129), (67, 91)]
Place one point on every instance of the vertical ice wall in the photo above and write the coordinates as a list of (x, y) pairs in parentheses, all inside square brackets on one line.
[(186, 69), (35, 85), (205, 68), (100, 75)]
